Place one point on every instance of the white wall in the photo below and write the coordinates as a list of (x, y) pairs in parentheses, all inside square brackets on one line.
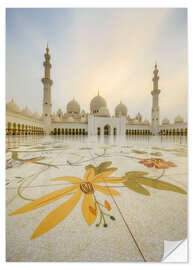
[(95, 122)]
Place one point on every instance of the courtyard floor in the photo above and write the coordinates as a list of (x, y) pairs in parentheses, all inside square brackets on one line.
[(122, 216)]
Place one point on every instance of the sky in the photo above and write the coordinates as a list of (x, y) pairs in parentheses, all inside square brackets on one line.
[(107, 49)]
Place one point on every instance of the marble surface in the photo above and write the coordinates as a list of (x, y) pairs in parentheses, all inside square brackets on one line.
[(141, 224)]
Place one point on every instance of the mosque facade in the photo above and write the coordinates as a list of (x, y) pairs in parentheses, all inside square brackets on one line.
[(97, 122)]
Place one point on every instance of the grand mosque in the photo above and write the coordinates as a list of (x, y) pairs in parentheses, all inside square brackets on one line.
[(97, 122)]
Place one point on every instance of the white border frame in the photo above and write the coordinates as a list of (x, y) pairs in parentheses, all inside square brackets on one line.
[(79, 3)]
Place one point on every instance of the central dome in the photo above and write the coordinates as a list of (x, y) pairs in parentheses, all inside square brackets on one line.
[(73, 107), (97, 103)]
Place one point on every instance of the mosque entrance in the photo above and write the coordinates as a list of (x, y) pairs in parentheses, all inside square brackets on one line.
[(107, 130)]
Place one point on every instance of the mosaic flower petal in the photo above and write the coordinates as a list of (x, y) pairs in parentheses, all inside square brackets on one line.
[(71, 179), (89, 174), (44, 200), (87, 202), (57, 215), (100, 176)]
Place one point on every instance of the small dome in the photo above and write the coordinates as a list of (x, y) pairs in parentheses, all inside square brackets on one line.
[(73, 107), (96, 103), (12, 106), (178, 119), (139, 117), (59, 112), (165, 121), (83, 114), (26, 111), (120, 109)]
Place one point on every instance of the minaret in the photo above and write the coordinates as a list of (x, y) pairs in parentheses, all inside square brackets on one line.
[(47, 106), (155, 102)]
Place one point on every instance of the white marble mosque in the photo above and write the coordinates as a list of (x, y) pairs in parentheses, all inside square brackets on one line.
[(98, 122)]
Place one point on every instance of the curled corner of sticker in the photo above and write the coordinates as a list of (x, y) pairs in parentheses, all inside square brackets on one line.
[(170, 247)]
